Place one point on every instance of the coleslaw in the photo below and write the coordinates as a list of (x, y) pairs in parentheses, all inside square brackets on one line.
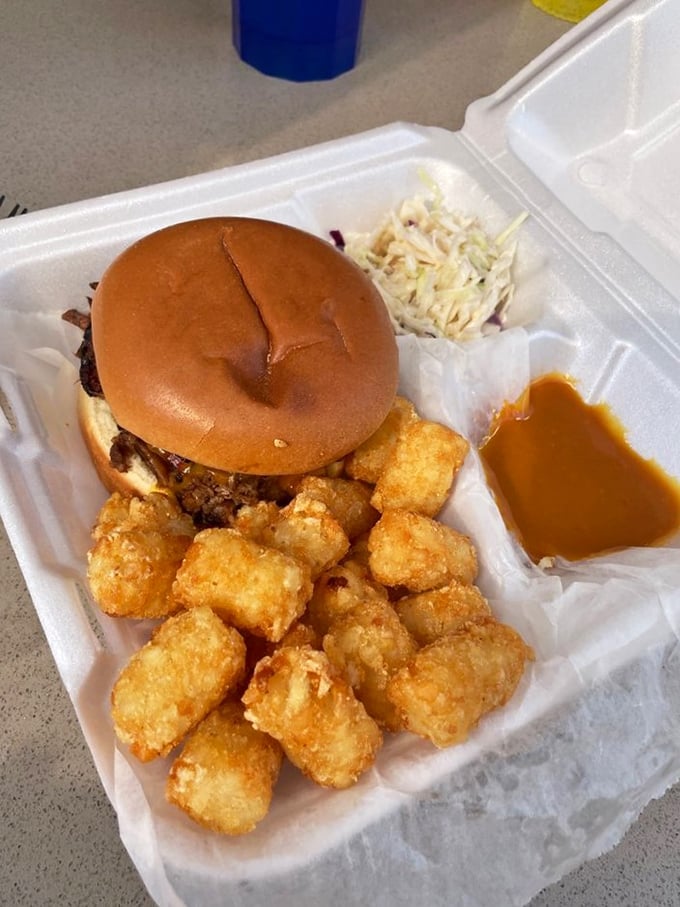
[(437, 270)]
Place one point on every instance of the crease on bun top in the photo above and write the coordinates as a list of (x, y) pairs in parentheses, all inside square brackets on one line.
[(244, 345), (257, 375)]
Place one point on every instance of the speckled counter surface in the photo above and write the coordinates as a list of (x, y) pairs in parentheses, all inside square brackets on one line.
[(101, 96)]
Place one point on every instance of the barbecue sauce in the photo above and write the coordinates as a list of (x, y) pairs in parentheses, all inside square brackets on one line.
[(567, 482)]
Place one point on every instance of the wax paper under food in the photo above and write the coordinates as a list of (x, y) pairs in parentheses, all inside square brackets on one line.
[(553, 778)]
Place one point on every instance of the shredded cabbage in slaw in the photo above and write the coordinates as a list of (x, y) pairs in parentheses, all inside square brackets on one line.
[(437, 270)]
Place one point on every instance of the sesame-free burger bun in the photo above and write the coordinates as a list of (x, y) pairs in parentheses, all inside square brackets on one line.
[(243, 345), (99, 428)]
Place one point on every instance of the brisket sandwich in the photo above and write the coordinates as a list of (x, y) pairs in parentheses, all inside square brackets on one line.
[(220, 354)]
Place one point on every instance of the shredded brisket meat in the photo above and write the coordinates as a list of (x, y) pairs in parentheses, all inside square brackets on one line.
[(89, 377), (211, 497), (126, 445), (79, 319)]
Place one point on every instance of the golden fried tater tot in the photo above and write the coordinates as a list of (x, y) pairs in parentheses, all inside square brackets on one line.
[(368, 460), (439, 612), (140, 544), (114, 512), (306, 530), (251, 520), (225, 775), (155, 511), (337, 591), (301, 633), (420, 470), (291, 484), (171, 683), (446, 688), (411, 550), (251, 586), (348, 500), (300, 699), (368, 644)]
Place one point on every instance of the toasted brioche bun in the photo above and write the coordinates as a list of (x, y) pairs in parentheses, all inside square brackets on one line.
[(243, 345), (99, 428)]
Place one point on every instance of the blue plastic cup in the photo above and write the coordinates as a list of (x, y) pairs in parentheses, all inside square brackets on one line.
[(300, 40)]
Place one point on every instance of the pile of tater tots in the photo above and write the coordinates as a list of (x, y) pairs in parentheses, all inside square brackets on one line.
[(305, 630)]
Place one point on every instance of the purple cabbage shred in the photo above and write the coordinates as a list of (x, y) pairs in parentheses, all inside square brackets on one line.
[(338, 239)]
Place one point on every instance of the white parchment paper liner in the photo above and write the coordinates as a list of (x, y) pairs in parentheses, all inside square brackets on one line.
[(551, 780)]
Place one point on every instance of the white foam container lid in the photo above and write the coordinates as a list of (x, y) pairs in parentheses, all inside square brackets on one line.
[(586, 140)]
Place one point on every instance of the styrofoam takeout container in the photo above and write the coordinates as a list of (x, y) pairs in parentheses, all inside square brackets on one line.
[(585, 139)]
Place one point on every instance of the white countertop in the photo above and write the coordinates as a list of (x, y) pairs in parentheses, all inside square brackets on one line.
[(102, 96)]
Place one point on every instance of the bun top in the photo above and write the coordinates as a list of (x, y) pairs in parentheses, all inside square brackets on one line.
[(243, 345)]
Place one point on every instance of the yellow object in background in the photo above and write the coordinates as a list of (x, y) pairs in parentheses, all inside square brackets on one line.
[(571, 10)]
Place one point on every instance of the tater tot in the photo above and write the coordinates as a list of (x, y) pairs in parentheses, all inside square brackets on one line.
[(113, 514), (225, 775), (171, 683), (414, 551), (155, 511), (337, 591), (368, 644), (446, 688), (291, 484), (306, 529), (301, 633), (420, 470), (368, 460), (300, 699), (251, 520), (140, 544), (251, 586), (439, 612), (349, 502)]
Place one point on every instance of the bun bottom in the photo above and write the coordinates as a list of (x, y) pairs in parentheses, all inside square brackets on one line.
[(99, 428)]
